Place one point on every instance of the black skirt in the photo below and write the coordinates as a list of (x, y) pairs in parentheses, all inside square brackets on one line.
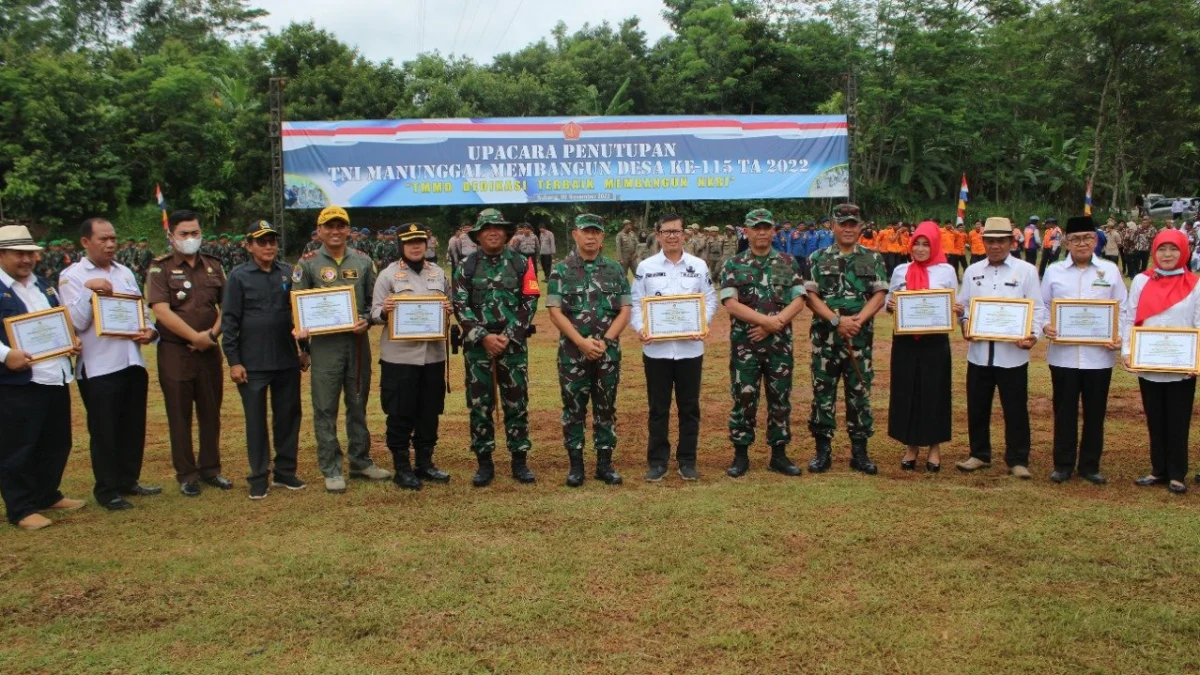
[(919, 411)]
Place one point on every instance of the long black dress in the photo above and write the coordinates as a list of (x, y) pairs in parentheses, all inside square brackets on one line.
[(919, 410)]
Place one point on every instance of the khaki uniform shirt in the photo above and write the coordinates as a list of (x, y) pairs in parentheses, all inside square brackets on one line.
[(192, 291), (399, 279)]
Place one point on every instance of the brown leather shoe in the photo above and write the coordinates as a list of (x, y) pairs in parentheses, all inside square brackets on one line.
[(68, 504), (1021, 472), (34, 521)]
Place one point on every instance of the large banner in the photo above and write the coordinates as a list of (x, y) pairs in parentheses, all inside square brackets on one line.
[(563, 159)]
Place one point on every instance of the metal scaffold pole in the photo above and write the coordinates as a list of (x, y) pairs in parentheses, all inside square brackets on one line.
[(276, 132), (851, 127)]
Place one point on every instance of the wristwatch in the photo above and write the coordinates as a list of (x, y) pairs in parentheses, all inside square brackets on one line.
[(835, 320)]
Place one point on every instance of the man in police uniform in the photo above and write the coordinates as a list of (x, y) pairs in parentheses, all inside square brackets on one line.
[(341, 362), (184, 290), (763, 291), (848, 287), (263, 356), (495, 297), (413, 372), (589, 299)]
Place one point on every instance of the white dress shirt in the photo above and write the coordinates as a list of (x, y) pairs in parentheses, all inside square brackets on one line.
[(101, 355), (658, 276), (1183, 314), (1100, 280), (56, 371), (941, 275), (1012, 278)]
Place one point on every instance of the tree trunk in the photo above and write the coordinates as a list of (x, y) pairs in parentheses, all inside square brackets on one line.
[(1112, 69)]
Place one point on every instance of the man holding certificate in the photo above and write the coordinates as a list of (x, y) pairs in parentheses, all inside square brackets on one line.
[(35, 400), (1083, 346), (674, 361), (105, 302), (1001, 360), (412, 376)]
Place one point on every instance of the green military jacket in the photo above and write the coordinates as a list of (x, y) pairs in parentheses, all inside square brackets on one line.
[(846, 282), (766, 284), (320, 270), (590, 294), (493, 300)]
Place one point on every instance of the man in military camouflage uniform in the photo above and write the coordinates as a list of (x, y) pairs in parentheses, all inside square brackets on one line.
[(495, 297), (729, 245), (589, 302), (341, 362), (313, 244), (627, 248), (762, 290), (712, 251), (848, 287)]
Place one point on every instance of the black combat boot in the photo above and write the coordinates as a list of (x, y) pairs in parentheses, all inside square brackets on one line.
[(821, 462), (780, 462), (576, 473), (520, 470), (404, 476), (741, 462), (486, 472), (426, 469), (859, 461), (604, 468)]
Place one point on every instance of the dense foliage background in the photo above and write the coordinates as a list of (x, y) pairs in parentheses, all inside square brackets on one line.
[(102, 99)]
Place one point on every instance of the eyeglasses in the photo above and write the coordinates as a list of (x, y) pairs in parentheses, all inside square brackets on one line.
[(670, 233), (1081, 239)]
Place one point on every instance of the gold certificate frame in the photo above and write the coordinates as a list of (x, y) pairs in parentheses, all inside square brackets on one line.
[(674, 317), (1185, 339), (51, 326), (424, 311), (135, 302), (1089, 307), (979, 329), (906, 307), (322, 311)]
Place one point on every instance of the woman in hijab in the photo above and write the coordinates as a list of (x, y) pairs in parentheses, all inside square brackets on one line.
[(919, 411), (1165, 296)]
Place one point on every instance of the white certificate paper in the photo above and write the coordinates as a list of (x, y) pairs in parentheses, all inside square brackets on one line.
[(1164, 350), (674, 318), (118, 315), (920, 312), (418, 320), (1085, 322), (44, 335), (996, 320), (325, 312)]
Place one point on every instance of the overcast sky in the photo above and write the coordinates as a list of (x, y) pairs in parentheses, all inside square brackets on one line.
[(399, 30)]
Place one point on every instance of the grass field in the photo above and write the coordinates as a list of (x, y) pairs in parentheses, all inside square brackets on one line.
[(836, 573)]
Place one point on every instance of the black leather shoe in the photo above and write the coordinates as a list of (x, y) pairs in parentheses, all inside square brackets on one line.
[(1094, 478), (219, 482), (781, 464), (1150, 480), (655, 474), (486, 471), (520, 470), (576, 474), (432, 473), (859, 459), (190, 488), (1060, 476), (1177, 487), (909, 464), (740, 464), (118, 504), (604, 468), (407, 480), (821, 462), (932, 468), (139, 490)]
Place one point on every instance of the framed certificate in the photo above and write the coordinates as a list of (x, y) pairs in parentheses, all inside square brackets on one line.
[(926, 311), (1000, 319), (1084, 322), (418, 317), (1164, 350), (45, 335), (118, 315), (673, 317), (325, 310)]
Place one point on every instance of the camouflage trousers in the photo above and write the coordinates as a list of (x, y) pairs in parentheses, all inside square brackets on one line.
[(832, 362), (512, 376), (580, 380), (749, 366)]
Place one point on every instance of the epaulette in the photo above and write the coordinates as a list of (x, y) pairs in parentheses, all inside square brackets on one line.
[(162, 257), (310, 254)]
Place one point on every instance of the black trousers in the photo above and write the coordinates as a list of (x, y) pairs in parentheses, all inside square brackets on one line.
[(1168, 407), (116, 422), (1070, 385), (35, 441), (681, 377), (1013, 383), (1049, 255), (284, 388), (976, 257), (547, 263), (412, 398)]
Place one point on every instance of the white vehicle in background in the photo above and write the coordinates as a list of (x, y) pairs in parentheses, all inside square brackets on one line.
[(1160, 207)]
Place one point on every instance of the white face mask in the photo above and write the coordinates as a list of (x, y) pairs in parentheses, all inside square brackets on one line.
[(188, 246)]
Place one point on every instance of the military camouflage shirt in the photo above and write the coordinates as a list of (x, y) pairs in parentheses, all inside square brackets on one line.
[(590, 293), (492, 300), (846, 282), (766, 284)]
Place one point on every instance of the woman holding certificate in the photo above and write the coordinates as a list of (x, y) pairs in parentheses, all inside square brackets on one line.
[(920, 387), (1164, 297)]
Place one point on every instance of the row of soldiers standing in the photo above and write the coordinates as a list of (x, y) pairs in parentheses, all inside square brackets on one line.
[(709, 244)]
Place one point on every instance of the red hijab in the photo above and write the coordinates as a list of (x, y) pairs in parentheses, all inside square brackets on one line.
[(917, 277), (1163, 292)]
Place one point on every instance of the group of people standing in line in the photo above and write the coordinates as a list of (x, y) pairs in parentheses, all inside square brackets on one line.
[(196, 314)]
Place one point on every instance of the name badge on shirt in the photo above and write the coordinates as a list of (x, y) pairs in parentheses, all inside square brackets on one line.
[(1011, 283), (1102, 283), (350, 274)]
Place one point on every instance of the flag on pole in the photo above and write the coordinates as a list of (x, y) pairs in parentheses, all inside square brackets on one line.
[(162, 205), (962, 200), (1087, 200)]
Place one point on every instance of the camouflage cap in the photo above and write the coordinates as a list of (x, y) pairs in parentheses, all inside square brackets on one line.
[(712, 228), (843, 213), (694, 226), (584, 221), (332, 213), (490, 217), (759, 216)]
